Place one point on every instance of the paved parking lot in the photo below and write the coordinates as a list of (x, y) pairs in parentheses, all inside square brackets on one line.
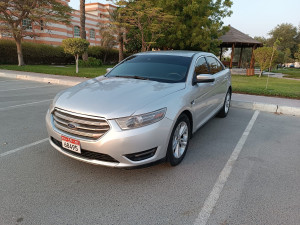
[(38, 185)]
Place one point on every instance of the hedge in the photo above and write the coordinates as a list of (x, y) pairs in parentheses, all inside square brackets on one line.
[(47, 54), (33, 53)]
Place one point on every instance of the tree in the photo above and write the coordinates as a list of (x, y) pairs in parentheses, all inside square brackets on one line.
[(133, 43), (197, 24), (287, 56), (116, 29), (82, 26), (108, 41), (287, 34), (273, 56), (76, 47), (19, 18), (264, 57), (297, 53), (262, 40), (149, 20)]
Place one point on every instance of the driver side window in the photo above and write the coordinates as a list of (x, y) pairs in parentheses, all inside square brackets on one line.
[(201, 67)]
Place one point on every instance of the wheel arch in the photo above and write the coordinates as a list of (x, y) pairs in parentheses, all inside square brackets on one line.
[(190, 116)]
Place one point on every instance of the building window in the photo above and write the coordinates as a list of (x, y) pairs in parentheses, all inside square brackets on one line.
[(92, 33), (42, 24), (26, 23), (76, 31)]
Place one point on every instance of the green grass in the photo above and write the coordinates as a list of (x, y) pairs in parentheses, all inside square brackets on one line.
[(60, 70), (241, 84), (256, 86), (289, 72)]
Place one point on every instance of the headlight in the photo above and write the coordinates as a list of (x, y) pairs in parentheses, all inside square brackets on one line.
[(132, 122)]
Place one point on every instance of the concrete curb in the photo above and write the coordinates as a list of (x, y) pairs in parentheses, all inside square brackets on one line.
[(273, 108), (46, 78), (71, 81)]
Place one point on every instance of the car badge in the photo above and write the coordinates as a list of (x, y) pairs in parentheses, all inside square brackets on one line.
[(72, 125)]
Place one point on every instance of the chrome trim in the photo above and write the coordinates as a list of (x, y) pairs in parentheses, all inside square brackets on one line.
[(89, 127), (78, 125), (57, 114)]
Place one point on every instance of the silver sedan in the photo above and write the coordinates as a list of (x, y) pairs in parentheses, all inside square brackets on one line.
[(142, 111)]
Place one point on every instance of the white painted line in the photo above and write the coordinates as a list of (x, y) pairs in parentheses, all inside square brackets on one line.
[(23, 147), (26, 88), (23, 105), (214, 195)]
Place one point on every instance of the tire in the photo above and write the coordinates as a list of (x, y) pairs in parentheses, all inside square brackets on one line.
[(177, 148), (225, 108)]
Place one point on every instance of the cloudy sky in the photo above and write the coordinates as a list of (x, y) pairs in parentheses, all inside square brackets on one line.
[(253, 17)]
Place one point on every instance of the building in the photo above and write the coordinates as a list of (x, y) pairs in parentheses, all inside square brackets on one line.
[(54, 33)]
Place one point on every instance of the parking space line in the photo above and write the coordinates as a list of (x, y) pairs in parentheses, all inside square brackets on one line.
[(23, 105), (26, 88), (23, 147), (213, 197)]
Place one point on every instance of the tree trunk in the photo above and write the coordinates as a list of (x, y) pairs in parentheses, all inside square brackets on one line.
[(121, 47), (20, 53), (77, 58), (85, 56), (82, 26)]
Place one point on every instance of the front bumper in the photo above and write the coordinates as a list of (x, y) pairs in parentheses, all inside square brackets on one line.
[(117, 143)]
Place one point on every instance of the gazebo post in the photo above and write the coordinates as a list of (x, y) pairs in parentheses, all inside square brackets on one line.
[(232, 54), (252, 58), (221, 53), (240, 60)]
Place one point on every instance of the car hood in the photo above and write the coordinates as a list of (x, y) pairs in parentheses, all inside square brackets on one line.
[(113, 97)]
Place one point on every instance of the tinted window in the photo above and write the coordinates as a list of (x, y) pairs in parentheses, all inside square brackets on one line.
[(163, 68), (214, 65), (201, 67)]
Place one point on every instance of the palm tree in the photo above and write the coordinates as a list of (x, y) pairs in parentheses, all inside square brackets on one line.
[(82, 25), (116, 28)]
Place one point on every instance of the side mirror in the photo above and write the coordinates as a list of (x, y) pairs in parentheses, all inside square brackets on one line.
[(204, 78), (108, 70)]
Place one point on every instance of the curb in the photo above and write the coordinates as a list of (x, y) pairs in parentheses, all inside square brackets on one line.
[(61, 81), (272, 108)]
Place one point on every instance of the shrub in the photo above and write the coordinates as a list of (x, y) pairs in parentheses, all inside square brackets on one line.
[(91, 62), (33, 53), (48, 54), (107, 55)]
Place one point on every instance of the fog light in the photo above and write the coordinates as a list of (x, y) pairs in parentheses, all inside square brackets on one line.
[(139, 156)]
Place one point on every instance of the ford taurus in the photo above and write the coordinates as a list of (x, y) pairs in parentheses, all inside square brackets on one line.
[(143, 110)]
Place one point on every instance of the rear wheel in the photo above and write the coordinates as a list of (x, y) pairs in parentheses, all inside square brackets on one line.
[(225, 109), (179, 140)]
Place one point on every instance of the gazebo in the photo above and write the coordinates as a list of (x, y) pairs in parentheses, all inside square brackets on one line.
[(236, 39)]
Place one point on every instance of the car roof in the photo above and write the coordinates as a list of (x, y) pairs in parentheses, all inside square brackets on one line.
[(176, 53)]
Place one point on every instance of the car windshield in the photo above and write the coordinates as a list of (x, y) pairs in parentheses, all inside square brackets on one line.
[(161, 68)]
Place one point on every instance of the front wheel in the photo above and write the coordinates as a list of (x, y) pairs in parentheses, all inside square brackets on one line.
[(225, 109), (179, 140)]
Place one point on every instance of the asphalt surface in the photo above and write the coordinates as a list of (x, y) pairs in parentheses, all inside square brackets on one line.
[(38, 185)]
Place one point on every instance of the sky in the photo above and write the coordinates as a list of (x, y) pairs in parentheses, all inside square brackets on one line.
[(252, 17)]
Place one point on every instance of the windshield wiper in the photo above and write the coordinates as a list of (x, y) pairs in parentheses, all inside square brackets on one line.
[(134, 77)]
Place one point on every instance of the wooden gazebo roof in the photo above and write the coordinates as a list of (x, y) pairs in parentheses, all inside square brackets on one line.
[(238, 38)]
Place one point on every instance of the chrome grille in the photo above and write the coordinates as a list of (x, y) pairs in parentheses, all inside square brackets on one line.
[(86, 127)]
